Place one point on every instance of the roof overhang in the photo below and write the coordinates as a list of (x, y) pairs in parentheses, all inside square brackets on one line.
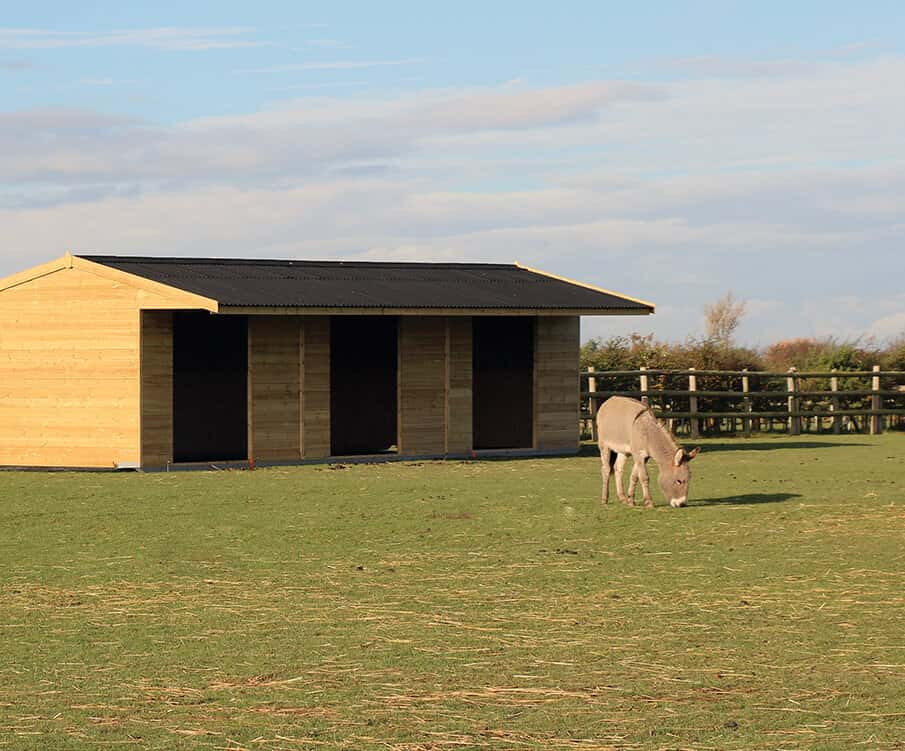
[(175, 297), (306, 311)]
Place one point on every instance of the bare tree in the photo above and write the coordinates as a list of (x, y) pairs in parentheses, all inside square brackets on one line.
[(723, 317)]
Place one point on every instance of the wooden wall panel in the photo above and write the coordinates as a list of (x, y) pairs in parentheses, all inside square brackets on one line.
[(459, 423), (69, 371), (556, 384), (274, 388), (156, 388), (314, 382), (422, 385)]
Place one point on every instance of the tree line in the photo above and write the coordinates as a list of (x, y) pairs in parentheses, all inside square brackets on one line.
[(716, 350)]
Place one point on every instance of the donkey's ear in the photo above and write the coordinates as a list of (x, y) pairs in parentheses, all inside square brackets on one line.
[(679, 457), (693, 453)]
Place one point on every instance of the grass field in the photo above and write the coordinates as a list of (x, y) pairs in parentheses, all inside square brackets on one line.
[(486, 605)]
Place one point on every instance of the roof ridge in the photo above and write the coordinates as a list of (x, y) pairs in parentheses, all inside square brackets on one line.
[(195, 260)]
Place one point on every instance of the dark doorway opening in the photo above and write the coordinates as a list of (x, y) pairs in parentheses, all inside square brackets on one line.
[(503, 382), (210, 387), (363, 384)]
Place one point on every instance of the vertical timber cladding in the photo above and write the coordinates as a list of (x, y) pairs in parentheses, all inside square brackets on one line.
[(274, 375), (156, 388), (459, 421), (422, 385), (556, 383), (314, 387)]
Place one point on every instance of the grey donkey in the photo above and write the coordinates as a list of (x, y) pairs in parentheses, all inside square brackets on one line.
[(627, 427)]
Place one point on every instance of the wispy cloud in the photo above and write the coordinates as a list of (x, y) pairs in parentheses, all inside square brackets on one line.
[(331, 65), (164, 38), (718, 66), (323, 85), (96, 82), (330, 44), (15, 66)]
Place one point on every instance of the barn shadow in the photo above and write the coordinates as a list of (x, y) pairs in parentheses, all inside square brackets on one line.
[(744, 500)]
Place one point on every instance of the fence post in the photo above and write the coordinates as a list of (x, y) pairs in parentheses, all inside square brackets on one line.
[(746, 421), (834, 402), (693, 404), (644, 385), (592, 401), (793, 402), (876, 403)]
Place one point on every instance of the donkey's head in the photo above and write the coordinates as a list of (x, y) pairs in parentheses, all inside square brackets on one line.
[(675, 476)]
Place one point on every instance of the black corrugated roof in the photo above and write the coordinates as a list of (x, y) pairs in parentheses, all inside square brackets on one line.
[(358, 284)]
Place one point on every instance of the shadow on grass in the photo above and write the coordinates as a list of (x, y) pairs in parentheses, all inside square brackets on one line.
[(588, 449), (775, 445), (741, 500)]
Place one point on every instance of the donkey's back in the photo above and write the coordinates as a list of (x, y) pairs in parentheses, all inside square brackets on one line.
[(615, 420)]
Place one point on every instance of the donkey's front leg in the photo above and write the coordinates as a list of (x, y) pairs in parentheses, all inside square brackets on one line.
[(641, 469), (621, 459)]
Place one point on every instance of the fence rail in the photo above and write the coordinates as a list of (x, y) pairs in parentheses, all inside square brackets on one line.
[(700, 402)]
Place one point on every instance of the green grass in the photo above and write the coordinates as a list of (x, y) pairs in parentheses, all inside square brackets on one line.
[(486, 605)]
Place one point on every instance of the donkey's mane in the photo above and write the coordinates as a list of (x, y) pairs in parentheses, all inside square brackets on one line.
[(663, 431)]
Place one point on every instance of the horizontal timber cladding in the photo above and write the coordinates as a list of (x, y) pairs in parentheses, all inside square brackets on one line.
[(459, 422), (156, 388), (556, 384), (314, 385), (422, 386), (69, 371), (274, 368)]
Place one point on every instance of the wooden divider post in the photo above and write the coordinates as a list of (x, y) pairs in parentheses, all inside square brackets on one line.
[(592, 401), (746, 421), (876, 403), (834, 402), (793, 403), (693, 421)]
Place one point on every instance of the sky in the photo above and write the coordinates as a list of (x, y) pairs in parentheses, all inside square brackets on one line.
[(670, 151)]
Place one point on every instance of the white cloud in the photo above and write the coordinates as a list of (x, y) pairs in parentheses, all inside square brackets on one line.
[(784, 188), (890, 326)]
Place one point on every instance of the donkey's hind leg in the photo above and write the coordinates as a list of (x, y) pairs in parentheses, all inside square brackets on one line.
[(605, 471)]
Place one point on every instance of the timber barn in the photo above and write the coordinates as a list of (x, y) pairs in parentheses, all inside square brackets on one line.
[(130, 362)]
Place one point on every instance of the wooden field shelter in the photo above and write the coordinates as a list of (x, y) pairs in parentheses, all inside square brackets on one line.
[(130, 362)]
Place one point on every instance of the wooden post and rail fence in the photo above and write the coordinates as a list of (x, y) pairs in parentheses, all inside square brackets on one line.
[(698, 402)]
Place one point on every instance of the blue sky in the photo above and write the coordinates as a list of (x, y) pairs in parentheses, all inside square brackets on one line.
[(672, 151)]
